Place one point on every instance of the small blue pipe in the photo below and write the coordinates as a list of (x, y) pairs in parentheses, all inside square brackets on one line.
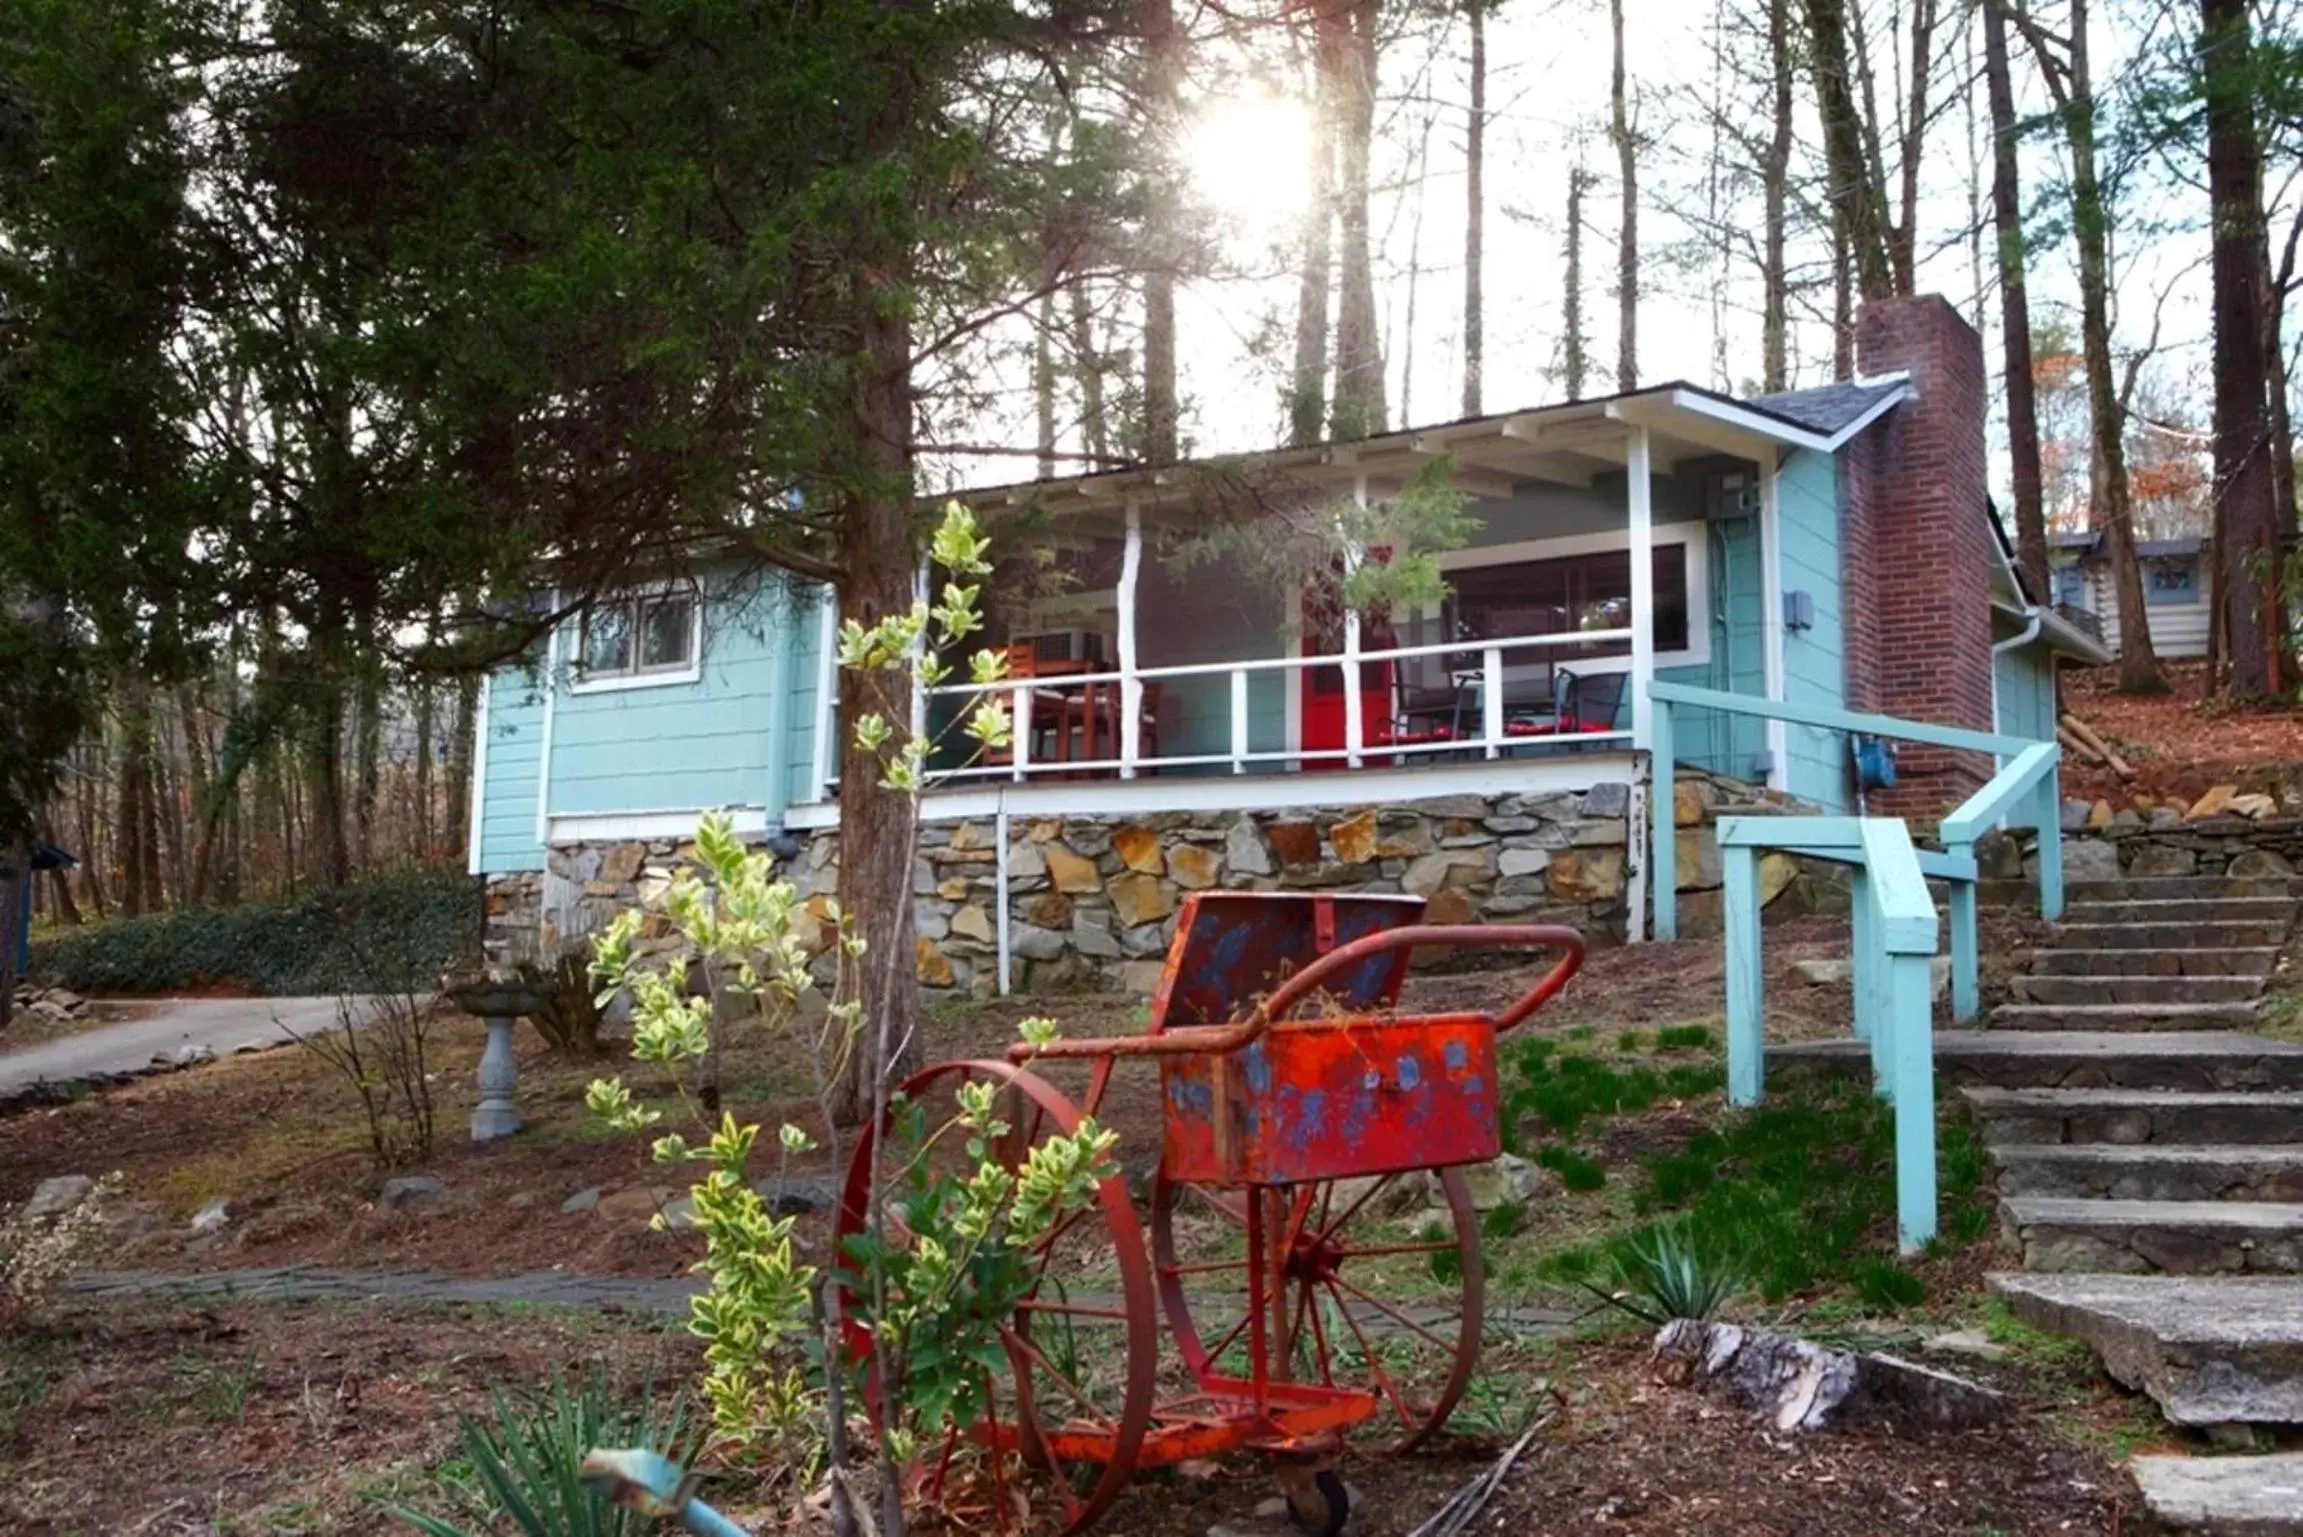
[(654, 1485)]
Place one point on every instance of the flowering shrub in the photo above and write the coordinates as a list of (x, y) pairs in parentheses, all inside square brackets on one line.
[(38, 1252), (942, 1260)]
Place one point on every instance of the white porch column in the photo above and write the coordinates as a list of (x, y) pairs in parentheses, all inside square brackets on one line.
[(1354, 727), (1771, 611), (823, 751), (1642, 512), (552, 684), (919, 685), (1131, 686)]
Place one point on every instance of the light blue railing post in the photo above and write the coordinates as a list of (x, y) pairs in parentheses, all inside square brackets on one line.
[(2051, 845), (1663, 821), (1904, 934), (1966, 964), (1746, 1024)]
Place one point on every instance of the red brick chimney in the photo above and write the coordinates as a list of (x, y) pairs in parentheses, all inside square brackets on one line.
[(1916, 550)]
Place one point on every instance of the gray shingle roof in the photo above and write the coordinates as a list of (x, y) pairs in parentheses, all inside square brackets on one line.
[(1829, 407)]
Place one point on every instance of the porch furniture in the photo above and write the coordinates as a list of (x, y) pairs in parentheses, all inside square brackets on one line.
[(1048, 704), (1582, 704)]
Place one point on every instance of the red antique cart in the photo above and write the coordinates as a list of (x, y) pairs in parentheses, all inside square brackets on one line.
[(1306, 1301)]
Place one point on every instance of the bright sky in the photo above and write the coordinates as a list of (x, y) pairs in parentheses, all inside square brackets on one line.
[(1547, 94)]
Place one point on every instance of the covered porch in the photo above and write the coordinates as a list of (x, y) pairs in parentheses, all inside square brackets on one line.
[(1616, 541)]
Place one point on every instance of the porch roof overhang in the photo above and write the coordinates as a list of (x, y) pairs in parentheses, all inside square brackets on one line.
[(1566, 444), (2056, 633)]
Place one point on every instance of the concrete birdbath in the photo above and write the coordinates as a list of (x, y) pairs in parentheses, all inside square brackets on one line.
[(499, 1004)]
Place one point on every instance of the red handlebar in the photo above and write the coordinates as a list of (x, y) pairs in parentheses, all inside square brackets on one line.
[(1221, 1039)]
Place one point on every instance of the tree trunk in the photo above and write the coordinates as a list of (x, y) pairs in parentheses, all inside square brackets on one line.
[(1575, 351), (876, 822), (2243, 481), (426, 702), (326, 843), (1087, 371), (1842, 299), (1044, 387), (1859, 202), (1903, 238), (60, 888), (84, 805), (1627, 237), (368, 755), (1307, 396), (1474, 207), (15, 863), (1358, 408), (460, 757), (1164, 56), (136, 854), (2015, 308), (2138, 661), (1775, 182)]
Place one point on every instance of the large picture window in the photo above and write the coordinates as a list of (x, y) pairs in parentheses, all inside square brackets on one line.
[(2171, 580), (1565, 594), (641, 637)]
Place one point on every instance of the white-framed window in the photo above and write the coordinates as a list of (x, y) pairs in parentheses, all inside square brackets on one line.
[(640, 640), (1580, 582)]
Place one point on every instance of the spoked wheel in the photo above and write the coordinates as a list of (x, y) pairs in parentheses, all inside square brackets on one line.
[(1377, 1303), (1082, 1346)]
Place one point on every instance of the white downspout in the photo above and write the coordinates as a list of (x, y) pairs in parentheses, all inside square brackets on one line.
[(2025, 637)]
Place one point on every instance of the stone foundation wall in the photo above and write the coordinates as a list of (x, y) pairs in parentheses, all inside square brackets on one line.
[(1092, 899), (2131, 845)]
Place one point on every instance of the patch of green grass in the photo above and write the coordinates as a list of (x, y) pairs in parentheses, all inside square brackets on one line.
[(1798, 1194), (1683, 1038), (31, 1365), (1578, 1173), (1562, 1089), (2282, 1015), (2034, 1347), (1628, 1041)]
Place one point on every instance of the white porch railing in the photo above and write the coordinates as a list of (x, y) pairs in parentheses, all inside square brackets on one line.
[(1492, 739)]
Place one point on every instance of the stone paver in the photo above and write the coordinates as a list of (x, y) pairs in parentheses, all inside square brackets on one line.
[(2224, 1496), (2150, 1157), (2210, 1350)]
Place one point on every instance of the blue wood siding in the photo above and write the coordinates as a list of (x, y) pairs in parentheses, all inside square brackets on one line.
[(515, 735), (1727, 744), (673, 747), (1814, 660), (2024, 677)]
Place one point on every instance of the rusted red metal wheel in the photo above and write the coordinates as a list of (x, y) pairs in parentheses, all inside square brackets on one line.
[(1365, 1295), (1082, 1347)]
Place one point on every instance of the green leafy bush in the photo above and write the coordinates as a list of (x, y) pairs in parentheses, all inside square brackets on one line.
[(411, 925), (520, 1464)]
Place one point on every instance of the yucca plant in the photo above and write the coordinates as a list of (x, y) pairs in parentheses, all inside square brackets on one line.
[(524, 1456), (1668, 1276)]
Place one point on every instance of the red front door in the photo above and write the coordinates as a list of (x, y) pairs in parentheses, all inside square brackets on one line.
[(1322, 687)]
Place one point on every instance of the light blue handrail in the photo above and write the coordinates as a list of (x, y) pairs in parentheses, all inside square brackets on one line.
[(1895, 943), (2031, 769)]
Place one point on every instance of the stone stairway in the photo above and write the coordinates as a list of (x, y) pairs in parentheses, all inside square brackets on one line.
[(2150, 1161)]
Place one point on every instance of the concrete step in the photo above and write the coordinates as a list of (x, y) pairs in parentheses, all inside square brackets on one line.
[(2123, 1017), (2223, 1496), (2201, 1172), (2012, 1118), (2249, 933), (2146, 989), (2279, 910), (2178, 888), (2056, 1233), (2209, 1350), (2246, 961), (2072, 1059)]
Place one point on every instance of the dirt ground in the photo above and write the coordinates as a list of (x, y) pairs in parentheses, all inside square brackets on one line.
[(297, 1422), (294, 1420), (2179, 743), (279, 1139)]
